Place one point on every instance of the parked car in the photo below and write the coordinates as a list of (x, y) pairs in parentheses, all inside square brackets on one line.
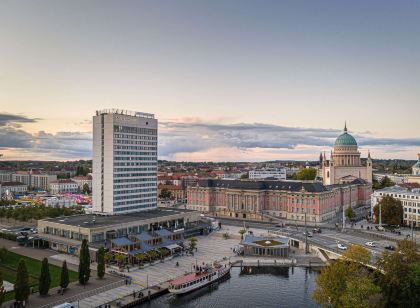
[(341, 246), (317, 230), (370, 244), (390, 247)]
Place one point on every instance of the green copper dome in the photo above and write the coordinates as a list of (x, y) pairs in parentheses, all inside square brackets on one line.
[(417, 164), (345, 139)]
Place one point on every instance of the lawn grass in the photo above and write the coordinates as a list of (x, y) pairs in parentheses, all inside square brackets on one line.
[(9, 266), (271, 243)]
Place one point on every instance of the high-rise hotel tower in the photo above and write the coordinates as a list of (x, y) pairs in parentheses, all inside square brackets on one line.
[(124, 161)]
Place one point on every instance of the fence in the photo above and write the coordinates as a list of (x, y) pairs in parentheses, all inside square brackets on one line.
[(86, 294)]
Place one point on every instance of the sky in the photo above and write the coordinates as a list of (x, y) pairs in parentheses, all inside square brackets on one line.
[(228, 80)]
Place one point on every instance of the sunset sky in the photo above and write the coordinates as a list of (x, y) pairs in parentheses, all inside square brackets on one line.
[(228, 80)]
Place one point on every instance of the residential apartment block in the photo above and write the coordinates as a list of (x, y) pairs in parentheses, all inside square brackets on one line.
[(410, 201)]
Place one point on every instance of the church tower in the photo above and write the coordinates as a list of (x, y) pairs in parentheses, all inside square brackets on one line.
[(345, 164)]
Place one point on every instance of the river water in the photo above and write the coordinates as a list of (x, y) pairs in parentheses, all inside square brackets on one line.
[(253, 287)]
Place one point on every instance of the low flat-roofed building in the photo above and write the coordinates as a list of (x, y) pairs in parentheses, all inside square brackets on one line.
[(66, 233), (265, 246)]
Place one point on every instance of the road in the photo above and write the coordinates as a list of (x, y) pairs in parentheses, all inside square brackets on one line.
[(329, 238)]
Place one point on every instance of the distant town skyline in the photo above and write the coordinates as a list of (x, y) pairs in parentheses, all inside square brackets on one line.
[(259, 81)]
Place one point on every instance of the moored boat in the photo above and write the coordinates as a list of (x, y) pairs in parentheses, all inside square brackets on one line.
[(193, 281)]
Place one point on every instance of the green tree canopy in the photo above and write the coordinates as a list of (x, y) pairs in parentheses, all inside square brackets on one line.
[(349, 212), (307, 174), (64, 277), (101, 263), (347, 282), (391, 209), (193, 243), (165, 194), (86, 189), (44, 282), (2, 290), (399, 281), (84, 263), (21, 286), (242, 232)]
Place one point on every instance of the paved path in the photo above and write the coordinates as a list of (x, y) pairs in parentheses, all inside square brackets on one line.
[(209, 249)]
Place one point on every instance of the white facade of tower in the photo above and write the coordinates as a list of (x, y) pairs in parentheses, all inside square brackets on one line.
[(124, 161)]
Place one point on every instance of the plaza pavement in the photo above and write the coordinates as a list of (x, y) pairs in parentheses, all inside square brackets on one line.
[(209, 249)]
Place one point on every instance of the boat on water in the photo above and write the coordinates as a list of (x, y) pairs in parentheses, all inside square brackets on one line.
[(193, 281)]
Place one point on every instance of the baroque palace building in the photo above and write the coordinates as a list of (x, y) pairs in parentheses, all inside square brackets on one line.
[(344, 165), (281, 199)]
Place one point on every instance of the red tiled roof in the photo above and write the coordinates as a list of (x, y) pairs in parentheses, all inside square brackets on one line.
[(170, 187), (63, 181), (12, 184)]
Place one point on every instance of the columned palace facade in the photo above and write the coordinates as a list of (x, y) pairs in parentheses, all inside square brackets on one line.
[(282, 199)]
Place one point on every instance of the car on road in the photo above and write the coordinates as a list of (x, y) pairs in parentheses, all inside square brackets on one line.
[(390, 247), (380, 228), (370, 244), (308, 232), (317, 230), (341, 246)]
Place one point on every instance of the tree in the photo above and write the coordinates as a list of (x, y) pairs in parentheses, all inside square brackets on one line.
[(64, 277), (44, 282), (141, 257), (2, 290), (101, 263), (307, 174), (399, 280), (245, 176), (242, 232), (359, 292), (391, 209), (347, 282), (349, 212), (357, 254), (120, 259), (386, 182), (193, 243), (164, 252), (165, 194), (84, 263), (153, 254), (3, 253), (86, 189), (21, 286), (108, 257)]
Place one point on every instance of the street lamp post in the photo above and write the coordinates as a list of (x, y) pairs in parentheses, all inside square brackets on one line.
[(380, 214)]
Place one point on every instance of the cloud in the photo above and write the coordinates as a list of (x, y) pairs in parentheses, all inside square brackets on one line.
[(7, 119), (180, 139), (195, 139)]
